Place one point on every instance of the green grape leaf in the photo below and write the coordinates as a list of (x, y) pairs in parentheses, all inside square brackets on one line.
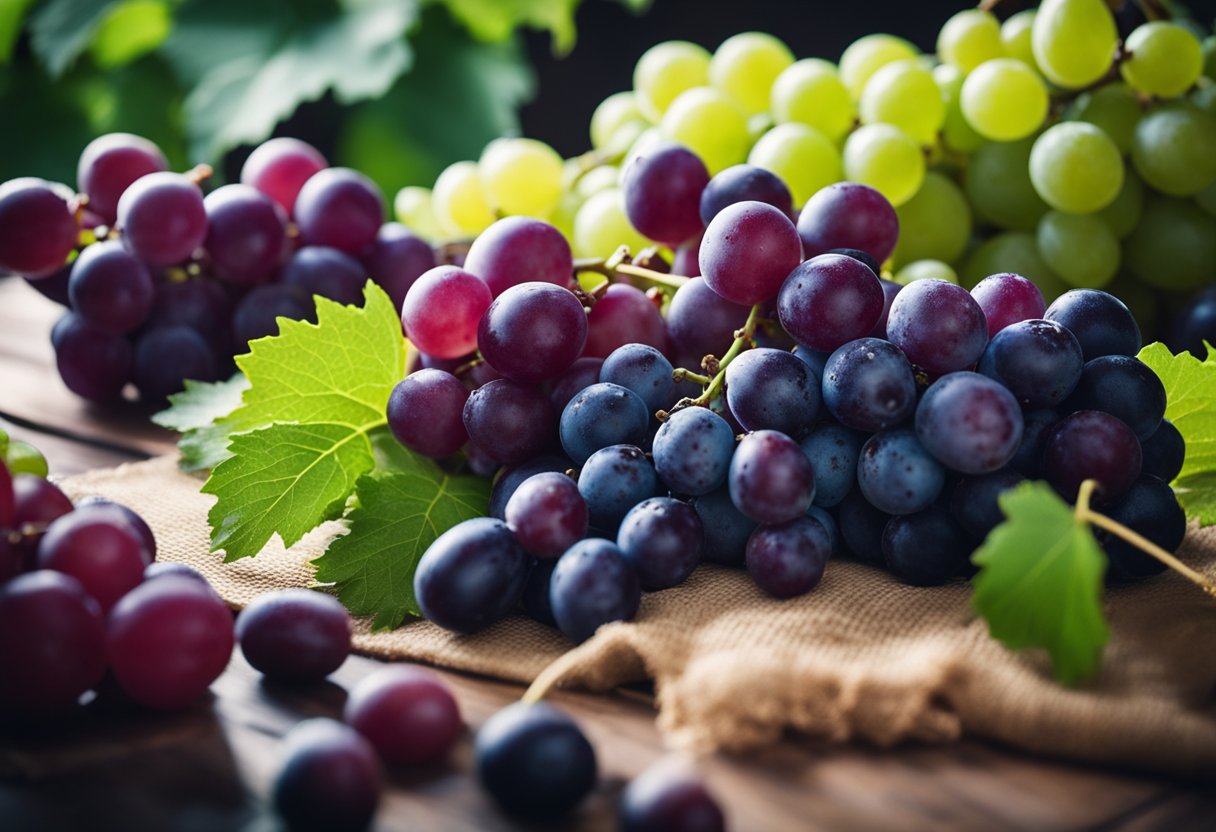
[(1190, 391), (196, 413), (1040, 582), (496, 20), (131, 29), (12, 13), (60, 30), (399, 511)]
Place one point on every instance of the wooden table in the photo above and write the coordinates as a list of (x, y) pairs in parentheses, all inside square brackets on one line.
[(209, 768)]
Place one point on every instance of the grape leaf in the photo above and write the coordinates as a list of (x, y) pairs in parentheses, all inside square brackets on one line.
[(399, 511), (196, 413), (495, 20), (62, 29), (131, 29), (1040, 582), (1190, 391), (11, 15)]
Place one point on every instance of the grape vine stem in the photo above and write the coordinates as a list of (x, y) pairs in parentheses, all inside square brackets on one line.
[(1085, 514), (616, 267)]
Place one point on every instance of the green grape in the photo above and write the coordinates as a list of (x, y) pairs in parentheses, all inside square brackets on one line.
[(1016, 36), (867, 55), (1074, 41), (562, 217), (1164, 59), (745, 67), (23, 458), (601, 226), (1174, 150), (810, 92), (460, 202), (1205, 98), (1114, 108), (1206, 199), (935, 224), (804, 159), (886, 159), (666, 70), (998, 185), (617, 116), (710, 124), (1017, 252), (1122, 215), (1076, 167), (1004, 100), (926, 270), (957, 134), (969, 38), (521, 176), (1080, 248), (413, 209), (1174, 246), (597, 179), (904, 94)]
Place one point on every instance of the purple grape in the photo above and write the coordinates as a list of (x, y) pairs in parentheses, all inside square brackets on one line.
[(37, 227), (830, 300), (442, 311), (165, 357), (280, 167), (787, 559), (897, 475), (1124, 387), (1039, 361), (938, 325), (329, 780), (328, 272), (257, 315), (889, 290), (396, 259), (93, 363), (1149, 508), (109, 164), (1028, 460), (830, 526), (769, 389), (29, 500), (848, 215), (726, 528), (1006, 299), (1101, 322), (110, 288), (198, 303), (861, 527), (133, 520), (599, 416), (662, 186), (425, 413), (1164, 452), (480, 461), (583, 373), (99, 548), (662, 538), (514, 475), (294, 635), (624, 315), (868, 385), (512, 422), (162, 218), (593, 584), (771, 480), (407, 714), (53, 286), (744, 183), (8, 499), (517, 250), (471, 576), (685, 259), (246, 234), (340, 208), (814, 359), (969, 422), (857, 254), (532, 332), (925, 549), (666, 798), (614, 480), (547, 514), (645, 371), (702, 322), (748, 251), (693, 450), (1090, 445), (974, 501)]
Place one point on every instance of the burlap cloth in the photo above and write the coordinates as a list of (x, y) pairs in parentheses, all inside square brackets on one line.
[(860, 657)]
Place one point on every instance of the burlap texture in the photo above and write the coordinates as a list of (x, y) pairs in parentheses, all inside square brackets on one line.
[(860, 657)]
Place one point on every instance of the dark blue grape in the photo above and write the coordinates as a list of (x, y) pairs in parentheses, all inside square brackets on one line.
[(833, 451), (666, 798), (330, 779), (861, 527), (971, 423), (787, 559), (830, 526), (897, 475), (726, 528), (661, 537), (692, 451), (1101, 322), (1164, 452), (513, 475), (745, 183), (536, 592), (602, 415), (868, 385), (1039, 361), (614, 480), (925, 549), (1124, 387), (974, 501), (1150, 508), (813, 359), (593, 584), (768, 389), (644, 370), (1028, 459), (94, 364), (583, 373), (1093, 445), (471, 576), (771, 480)]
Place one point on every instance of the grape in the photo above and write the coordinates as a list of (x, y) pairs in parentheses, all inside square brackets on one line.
[(327, 272), (787, 559), (666, 70), (513, 476), (546, 514), (406, 713), (601, 226), (425, 413), (583, 373), (257, 315), (1164, 451), (1123, 215), (198, 303), (518, 250), (924, 270), (726, 528), (974, 501), (93, 363), (521, 176), (833, 451), (1073, 41), (868, 385), (970, 38), (340, 208), (396, 259), (280, 167), (664, 798), (614, 480), (848, 215), (897, 475), (810, 92), (1038, 361), (97, 547), (1124, 387), (167, 641), (801, 156), (835, 545), (1091, 445), (935, 224), (772, 389), (246, 234), (889, 290), (701, 321), (830, 300), (162, 218), (594, 583), (1017, 34), (37, 227), (53, 643), (54, 286), (35, 502), (729, 262), (1101, 322), (938, 325), (1029, 457), (743, 183), (998, 186), (642, 370), (745, 67), (771, 480), (710, 124), (904, 94), (924, 549), (615, 117), (294, 635), (1163, 59), (110, 288), (969, 422), (511, 421), (1172, 150), (471, 576), (1004, 100), (861, 526), (443, 309), (867, 55), (109, 164), (460, 202), (661, 538), (886, 159), (329, 778), (166, 569), (536, 592), (623, 315), (1149, 508), (534, 761), (533, 332), (1115, 108), (1174, 246), (693, 450), (123, 514), (165, 357), (662, 188), (1076, 168)]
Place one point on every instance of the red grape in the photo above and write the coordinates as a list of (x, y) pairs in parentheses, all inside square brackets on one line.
[(37, 227), (425, 412), (533, 332), (748, 251), (518, 250), (280, 167), (162, 218), (406, 713), (246, 234), (339, 207), (109, 164), (294, 635), (442, 311), (849, 215)]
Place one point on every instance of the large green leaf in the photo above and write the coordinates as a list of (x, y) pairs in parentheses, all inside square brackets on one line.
[(12, 13), (63, 29)]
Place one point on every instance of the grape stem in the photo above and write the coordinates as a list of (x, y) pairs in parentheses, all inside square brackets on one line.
[(619, 265), (713, 386), (681, 374), (1085, 514)]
